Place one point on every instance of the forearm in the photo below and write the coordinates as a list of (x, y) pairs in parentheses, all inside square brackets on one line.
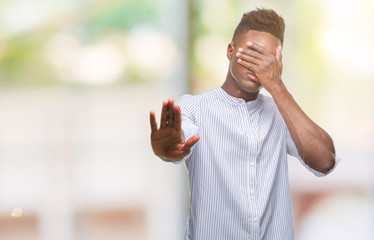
[(314, 145)]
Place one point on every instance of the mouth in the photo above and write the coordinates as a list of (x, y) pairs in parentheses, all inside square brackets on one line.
[(252, 76)]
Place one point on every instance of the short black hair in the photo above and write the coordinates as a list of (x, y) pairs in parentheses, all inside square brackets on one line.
[(264, 20)]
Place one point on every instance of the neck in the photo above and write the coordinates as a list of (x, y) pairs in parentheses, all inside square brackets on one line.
[(231, 87)]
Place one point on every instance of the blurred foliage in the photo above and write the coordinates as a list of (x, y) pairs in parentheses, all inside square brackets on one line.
[(123, 16), (210, 18), (22, 63), (23, 59), (22, 55)]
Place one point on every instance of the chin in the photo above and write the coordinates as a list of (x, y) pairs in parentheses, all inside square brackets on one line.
[(246, 84), (251, 90), (250, 86)]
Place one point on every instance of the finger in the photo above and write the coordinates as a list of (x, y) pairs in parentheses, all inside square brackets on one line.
[(248, 65), (177, 118), (256, 47), (153, 121), (251, 53), (248, 59), (164, 114), (170, 113), (190, 143)]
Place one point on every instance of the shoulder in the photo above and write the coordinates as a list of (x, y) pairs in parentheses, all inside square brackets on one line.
[(188, 101), (270, 110), (269, 107), (267, 102)]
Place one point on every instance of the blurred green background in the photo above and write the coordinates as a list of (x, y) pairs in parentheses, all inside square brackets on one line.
[(77, 81)]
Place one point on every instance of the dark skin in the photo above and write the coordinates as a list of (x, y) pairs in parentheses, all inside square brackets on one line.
[(255, 62), (167, 141), (242, 80)]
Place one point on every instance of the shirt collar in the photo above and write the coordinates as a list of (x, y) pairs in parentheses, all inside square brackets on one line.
[(237, 101)]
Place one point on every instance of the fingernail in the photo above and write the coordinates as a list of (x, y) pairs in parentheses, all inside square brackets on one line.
[(249, 43), (237, 54), (240, 49)]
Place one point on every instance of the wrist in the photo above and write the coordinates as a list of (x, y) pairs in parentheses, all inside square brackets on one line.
[(277, 89)]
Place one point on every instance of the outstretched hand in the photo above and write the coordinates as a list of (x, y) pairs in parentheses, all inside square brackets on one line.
[(167, 140)]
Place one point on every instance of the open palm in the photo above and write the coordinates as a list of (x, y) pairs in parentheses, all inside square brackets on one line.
[(167, 141)]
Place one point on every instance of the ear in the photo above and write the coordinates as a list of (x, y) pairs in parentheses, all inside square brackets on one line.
[(230, 51), (278, 53)]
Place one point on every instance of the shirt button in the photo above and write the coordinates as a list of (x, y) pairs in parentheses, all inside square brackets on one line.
[(252, 164), (252, 192), (255, 220)]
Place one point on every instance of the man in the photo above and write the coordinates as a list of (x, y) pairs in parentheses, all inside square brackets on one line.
[(234, 141)]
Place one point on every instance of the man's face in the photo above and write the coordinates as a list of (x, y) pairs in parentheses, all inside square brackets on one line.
[(240, 74)]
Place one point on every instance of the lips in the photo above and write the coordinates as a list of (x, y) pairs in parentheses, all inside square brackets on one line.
[(252, 76)]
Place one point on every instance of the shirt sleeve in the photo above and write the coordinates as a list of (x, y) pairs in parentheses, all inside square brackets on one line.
[(292, 150), (187, 104)]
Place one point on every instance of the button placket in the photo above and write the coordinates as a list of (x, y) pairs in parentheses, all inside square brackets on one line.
[(252, 187)]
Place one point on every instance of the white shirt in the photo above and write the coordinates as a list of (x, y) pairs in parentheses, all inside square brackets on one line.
[(238, 172)]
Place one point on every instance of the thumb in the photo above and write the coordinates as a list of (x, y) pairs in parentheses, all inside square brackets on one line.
[(190, 142)]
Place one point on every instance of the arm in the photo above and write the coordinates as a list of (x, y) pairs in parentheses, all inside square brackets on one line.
[(167, 141), (313, 144)]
